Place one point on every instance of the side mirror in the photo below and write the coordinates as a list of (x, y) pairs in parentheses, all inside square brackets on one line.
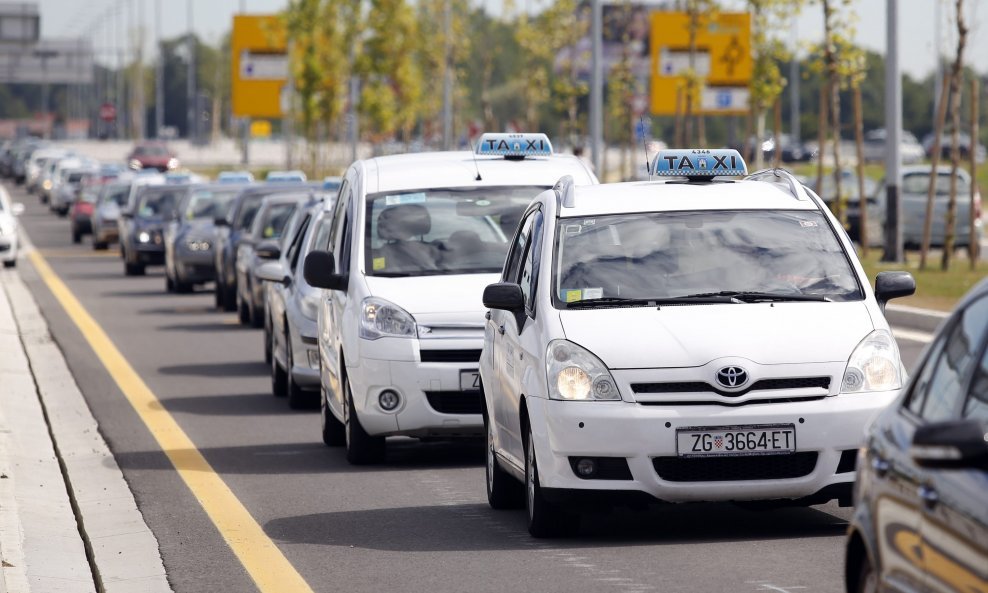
[(221, 221), (268, 250), (17, 208), (505, 296), (954, 444), (272, 271), (319, 270), (892, 285)]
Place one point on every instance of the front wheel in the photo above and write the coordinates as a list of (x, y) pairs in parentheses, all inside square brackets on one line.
[(867, 577), (545, 519), (361, 448), (503, 491), (333, 431), (298, 398)]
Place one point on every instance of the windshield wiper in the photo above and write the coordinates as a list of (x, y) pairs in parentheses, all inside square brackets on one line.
[(751, 296), (659, 301)]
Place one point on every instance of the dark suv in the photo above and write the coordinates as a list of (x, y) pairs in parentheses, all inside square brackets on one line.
[(921, 498)]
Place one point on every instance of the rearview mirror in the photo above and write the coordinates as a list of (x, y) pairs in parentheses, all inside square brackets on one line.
[(892, 285), (272, 271), (269, 249), (319, 270), (954, 444)]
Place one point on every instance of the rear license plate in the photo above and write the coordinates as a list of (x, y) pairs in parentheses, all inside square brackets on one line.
[(735, 441), (469, 380)]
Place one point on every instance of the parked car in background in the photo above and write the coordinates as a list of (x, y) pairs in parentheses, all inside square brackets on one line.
[(37, 162), (237, 177), (81, 212), (946, 141), (229, 228), (293, 176), (142, 234), (267, 228), (152, 155), (106, 212), (920, 518), (191, 237), (9, 241), (68, 187), (875, 147), (914, 191)]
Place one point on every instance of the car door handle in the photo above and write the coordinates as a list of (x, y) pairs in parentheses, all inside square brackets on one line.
[(881, 466), (500, 329), (929, 496)]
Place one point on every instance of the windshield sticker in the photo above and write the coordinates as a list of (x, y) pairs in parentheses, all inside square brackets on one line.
[(416, 198), (593, 293), (574, 229), (571, 296), (379, 263), (590, 222), (807, 223)]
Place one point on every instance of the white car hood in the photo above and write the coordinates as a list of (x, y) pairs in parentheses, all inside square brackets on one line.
[(689, 336), (432, 295)]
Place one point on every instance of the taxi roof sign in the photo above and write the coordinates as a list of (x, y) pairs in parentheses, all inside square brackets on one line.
[(514, 146), (699, 163)]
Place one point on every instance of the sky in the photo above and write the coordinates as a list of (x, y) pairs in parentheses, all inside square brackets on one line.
[(105, 20)]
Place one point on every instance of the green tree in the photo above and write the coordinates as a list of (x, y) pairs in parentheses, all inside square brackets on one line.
[(392, 79)]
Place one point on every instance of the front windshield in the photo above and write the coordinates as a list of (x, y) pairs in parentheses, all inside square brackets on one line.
[(209, 203), (157, 203), (442, 231), (919, 183), (675, 254), (272, 222), (116, 194)]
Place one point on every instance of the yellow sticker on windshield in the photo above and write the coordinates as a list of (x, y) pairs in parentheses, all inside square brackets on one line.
[(573, 295), (379, 263)]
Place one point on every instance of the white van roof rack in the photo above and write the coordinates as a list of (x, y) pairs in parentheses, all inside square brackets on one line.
[(565, 196), (782, 178)]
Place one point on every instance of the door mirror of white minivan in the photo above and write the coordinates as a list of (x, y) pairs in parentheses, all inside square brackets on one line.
[(892, 285), (505, 296), (319, 270)]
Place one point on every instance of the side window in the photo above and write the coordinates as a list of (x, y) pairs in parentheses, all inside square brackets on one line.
[(343, 260), (952, 366), (514, 260), (976, 406), (341, 204), (296, 247), (530, 269), (321, 240)]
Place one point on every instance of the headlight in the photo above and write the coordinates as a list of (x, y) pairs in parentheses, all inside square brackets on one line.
[(172, 163), (143, 237), (134, 164), (309, 304), (198, 245), (382, 319), (46, 184), (874, 365), (574, 373)]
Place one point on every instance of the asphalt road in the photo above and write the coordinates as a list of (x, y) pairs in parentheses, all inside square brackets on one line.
[(418, 523)]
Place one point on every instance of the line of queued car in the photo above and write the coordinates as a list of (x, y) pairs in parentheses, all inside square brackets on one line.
[(706, 335)]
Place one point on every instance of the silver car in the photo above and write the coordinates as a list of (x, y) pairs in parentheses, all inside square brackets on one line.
[(106, 213), (290, 330), (191, 238), (915, 185)]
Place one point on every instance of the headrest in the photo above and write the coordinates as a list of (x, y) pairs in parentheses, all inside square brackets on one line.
[(403, 221)]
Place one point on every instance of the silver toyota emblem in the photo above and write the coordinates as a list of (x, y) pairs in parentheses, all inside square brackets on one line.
[(732, 377)]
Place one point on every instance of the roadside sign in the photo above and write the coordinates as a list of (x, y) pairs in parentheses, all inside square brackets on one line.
[(722, 60), (260, 65), (108, 112)]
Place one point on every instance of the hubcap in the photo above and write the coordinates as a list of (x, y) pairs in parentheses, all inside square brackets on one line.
[(530, 478)]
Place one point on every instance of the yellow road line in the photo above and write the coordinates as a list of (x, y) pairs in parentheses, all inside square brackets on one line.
[(65, 253), (263, 560)]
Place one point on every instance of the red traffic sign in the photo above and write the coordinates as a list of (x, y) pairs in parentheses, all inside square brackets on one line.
[(107, 112)]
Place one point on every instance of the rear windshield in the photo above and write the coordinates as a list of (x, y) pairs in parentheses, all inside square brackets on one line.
[(117, 194), (248, 210), (919, 183), (157, 203), (272, 223), (75, 177), (209, 203), (150, 151)]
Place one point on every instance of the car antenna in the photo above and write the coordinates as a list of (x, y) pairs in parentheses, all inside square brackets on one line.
[(476, 166), (641, 118)]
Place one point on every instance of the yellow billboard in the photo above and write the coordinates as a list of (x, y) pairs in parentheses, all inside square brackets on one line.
[(722, 60), (260, 66)]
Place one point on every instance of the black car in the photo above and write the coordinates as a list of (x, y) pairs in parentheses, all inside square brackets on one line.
[(142, 239), (230, 227), (921, 498)]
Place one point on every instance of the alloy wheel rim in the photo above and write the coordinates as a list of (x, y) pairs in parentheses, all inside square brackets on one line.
[(530, 479)]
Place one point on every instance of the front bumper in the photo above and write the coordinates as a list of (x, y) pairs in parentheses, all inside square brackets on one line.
[(423, 387), (149, 253), (195, 268), (8, 249), (640, 434)]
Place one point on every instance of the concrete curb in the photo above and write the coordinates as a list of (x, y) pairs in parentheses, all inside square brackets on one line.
[(122, 549), (914, 318), (40, 542)]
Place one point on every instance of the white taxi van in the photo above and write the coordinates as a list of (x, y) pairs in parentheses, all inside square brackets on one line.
[(695, 338), (414, 240)]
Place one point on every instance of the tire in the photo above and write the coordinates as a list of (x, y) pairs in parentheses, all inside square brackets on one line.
[(229, 300), (256, 315), (298, 398), (361, 448), (503, 491), (867, 577), (218, 296), (133, 269), (268, 340), (169, 283), (279, 379), (243, 311), (76, 236), (333, 431), (10, 263), (99, 245), (183, 287), (545, 519)]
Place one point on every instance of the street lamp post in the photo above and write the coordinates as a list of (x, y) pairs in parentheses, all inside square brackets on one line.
[(596, 86), (893, 131)]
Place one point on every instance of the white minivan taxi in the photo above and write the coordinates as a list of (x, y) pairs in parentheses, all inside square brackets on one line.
[(694, 338), (414, 240)]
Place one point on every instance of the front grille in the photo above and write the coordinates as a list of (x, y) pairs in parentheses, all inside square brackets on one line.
[(732, 469), (455, 402), (703, 387), (733, 404), (848, 461), (450, 356)]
